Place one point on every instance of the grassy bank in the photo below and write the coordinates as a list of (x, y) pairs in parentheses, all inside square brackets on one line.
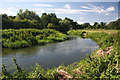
[(99, 30), (20, 38), (94, 66)]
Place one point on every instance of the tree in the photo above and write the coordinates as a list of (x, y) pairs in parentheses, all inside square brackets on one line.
[(114, 24), (96, 25), (51, 26), (29, 15), (18, 17), (103, 25), (45, 19), (64, 25), (86, 25), (11, 17), (4, 16)]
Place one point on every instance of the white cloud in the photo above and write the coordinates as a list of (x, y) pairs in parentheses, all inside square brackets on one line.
[(114, 19), (65, 11), (43, 5), (81, 18), (85, 7), (80, 22), (9, 11), (39, 9), (94, 9), (111, 8), (117, 18), (97, 9), (67, 6)]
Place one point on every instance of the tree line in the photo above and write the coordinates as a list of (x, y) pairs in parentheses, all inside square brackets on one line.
[(29, 19)]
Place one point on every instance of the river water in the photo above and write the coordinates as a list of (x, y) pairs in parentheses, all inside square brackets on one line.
[(50, 55)]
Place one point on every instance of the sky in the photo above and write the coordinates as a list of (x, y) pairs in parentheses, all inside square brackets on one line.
[(59, 0), (80, 12)]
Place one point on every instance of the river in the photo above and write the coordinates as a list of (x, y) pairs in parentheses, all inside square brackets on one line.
[(50, 55)]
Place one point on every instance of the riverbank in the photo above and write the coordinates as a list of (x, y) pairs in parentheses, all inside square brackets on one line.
[(103, 63), (21, 38), (99, 30), (90, 67)]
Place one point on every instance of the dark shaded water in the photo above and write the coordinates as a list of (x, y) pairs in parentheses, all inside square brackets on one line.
[(50, 55)]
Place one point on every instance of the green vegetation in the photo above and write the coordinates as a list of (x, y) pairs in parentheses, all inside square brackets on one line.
[(94, 66), (104, 38), (21, 38), (29, 19), (75, 32), (45, 29)]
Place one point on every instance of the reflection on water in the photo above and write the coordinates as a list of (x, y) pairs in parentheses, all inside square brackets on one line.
[(50, 55)]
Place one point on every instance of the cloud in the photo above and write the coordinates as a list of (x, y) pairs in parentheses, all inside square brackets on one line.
[(65, 11), (117, 18), (97, 9), (39, 9), (9, 11), (85, 10), (68, 10), (85, 7), (67, 6), (81, 18), (114, 19), (80, 22), (43, 5), (111, 8)]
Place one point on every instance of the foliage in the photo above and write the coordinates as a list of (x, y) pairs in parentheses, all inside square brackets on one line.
[(75, 32), (29, 15), (21, 38), (29, 19), (93, 66), (114, 24)]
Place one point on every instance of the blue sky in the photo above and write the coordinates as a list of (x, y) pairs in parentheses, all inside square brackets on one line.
[(78, 11)]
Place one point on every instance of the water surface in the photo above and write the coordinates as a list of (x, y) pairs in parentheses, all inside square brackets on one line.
[(49, 55)]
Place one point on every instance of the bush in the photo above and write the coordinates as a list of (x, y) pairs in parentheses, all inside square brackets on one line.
[(20, 38)]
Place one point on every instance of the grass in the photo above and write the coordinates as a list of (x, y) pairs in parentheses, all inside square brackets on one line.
[(99, 30)]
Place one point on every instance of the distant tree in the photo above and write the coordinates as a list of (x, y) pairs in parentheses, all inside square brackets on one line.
[(51, 26), (114, 24), (103, 25), (86, 25), (4, 16), (53, 19), (65, 25), (29, 15), (11, 17), (74, 24), (29, 19), (18, 17), (45, 19), (96, 25)]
